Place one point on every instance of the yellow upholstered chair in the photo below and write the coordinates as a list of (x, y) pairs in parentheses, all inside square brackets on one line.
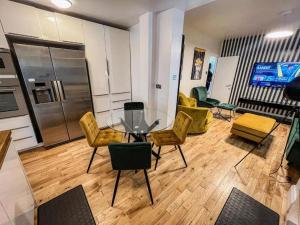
[(176, 136), (96, 137), (201, 116)]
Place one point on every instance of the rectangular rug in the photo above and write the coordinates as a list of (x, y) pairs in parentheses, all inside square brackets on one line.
[(241, 209), (69, 208)]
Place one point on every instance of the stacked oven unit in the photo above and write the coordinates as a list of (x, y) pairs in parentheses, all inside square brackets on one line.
[(13, 109), (12, 102)]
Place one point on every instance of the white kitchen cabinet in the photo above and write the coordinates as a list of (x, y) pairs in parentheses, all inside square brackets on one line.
[(101, 103), (19, 19), (48, 25), (96, 57), (101, 118), (69, 28), (16, 196), (118, 55), (23, 135), (3, 42)]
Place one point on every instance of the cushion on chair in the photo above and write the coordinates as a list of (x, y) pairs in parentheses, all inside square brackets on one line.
[(182, 124), (185, 101), (213, 102), (200, 93), (201, 116), (107, 136), (89, 127), (253, 127), (226, 106), (166, 137), (177, 135)]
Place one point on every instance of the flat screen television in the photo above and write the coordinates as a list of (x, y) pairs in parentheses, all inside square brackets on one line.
[(274, 74)]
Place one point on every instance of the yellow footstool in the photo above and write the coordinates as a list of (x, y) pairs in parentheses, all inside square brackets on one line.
[(253, 127)]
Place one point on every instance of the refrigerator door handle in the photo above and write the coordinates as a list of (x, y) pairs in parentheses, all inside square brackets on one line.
[(7, 89), (61, 90), (56, 93), (107, 67)]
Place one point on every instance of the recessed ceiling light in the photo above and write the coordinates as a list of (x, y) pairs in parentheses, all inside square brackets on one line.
[(63, 4), (279, 34)]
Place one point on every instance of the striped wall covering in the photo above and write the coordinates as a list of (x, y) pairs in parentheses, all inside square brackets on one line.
[(257, 48)]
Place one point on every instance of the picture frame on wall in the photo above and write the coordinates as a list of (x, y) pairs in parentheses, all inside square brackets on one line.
[(198, 61)]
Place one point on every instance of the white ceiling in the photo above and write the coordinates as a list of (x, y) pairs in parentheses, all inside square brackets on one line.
[(223, 18), (124, 13)]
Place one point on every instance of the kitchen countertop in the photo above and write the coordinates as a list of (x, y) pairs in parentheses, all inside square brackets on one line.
[(4, 144)]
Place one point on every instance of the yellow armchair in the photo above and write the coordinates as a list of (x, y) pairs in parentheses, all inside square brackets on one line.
[(201, 116)]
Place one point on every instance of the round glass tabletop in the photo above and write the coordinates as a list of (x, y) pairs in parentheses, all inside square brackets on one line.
[(139, 121)]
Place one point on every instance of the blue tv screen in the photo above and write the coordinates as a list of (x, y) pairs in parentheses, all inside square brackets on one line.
[(274, 74)]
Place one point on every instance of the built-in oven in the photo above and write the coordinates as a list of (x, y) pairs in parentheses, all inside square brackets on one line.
[(7, 69), (12, 102)]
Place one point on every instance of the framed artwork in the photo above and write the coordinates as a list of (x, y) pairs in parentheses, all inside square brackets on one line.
[(198, 61)]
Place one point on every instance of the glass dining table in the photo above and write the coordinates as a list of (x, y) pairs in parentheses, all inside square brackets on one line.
[(139, 123)]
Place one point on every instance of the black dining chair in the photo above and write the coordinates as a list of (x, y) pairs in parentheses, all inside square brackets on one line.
[(130, 156), (132, 118), (133, 106)]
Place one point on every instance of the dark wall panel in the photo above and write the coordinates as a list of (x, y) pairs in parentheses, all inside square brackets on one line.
[(257, 48)]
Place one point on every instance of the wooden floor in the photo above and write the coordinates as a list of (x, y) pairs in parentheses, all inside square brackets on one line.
[(192, 195)]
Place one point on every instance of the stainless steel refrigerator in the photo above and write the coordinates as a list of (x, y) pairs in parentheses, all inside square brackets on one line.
[(57, 84)]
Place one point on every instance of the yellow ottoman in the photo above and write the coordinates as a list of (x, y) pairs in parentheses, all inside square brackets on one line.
[(253, 127)]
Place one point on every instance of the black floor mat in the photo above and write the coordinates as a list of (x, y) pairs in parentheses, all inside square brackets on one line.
[(70, 208), (241, 209)]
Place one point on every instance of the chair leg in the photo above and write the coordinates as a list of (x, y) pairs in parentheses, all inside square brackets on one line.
[(116, 188), (128, 138), (148, 185), (182, 155), (94, 152), (157, 158)]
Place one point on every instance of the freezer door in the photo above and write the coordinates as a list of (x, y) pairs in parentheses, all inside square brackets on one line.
[(37, 71), (73, 84)]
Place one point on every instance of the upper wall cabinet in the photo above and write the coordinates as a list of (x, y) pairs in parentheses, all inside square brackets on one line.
[(96, 57), (118, 54), (69, 28), (48, 25), (19, 19), (3, 42)]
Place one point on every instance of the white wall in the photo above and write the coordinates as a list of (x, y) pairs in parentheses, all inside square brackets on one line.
[(196, 39)]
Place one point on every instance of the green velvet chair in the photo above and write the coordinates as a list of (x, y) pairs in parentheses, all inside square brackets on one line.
[(200, 94), (201, 116)]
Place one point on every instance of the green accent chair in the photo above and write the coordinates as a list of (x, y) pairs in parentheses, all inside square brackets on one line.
[(201, 116), (200, 94)]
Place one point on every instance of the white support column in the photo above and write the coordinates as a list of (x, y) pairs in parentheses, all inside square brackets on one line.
[(169, 37), (141, 58), (146, 40)]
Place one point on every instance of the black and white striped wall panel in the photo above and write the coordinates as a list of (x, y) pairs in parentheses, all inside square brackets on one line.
[(257, 48)]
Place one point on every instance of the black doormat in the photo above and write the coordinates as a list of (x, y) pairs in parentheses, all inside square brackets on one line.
[(241, 209), (70, 208)]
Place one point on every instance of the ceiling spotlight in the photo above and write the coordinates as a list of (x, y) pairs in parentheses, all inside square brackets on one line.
[(280, 34), (63, 4)]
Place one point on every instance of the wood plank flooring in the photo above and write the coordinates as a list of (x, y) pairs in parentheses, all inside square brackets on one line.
[(192, 195)]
